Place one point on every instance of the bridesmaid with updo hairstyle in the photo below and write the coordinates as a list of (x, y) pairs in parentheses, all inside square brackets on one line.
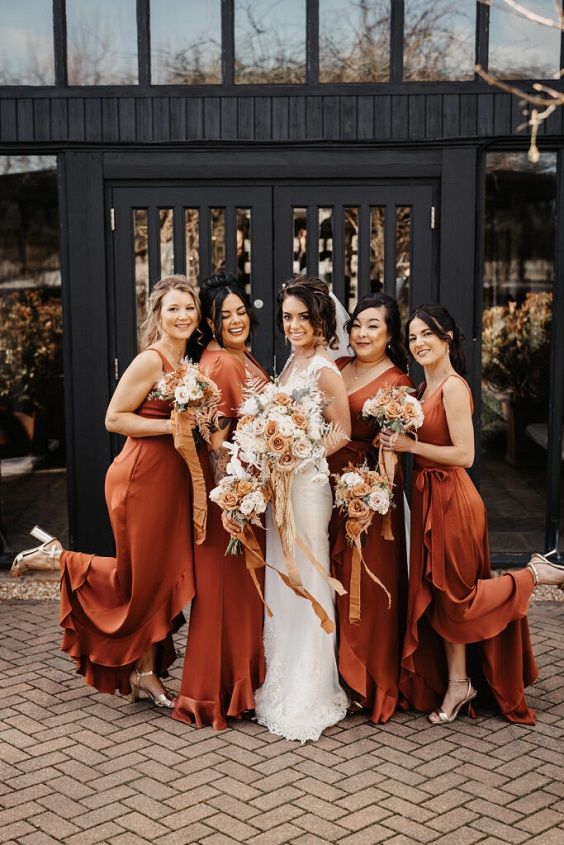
[(224, 661), (467, 635), (370, 647)]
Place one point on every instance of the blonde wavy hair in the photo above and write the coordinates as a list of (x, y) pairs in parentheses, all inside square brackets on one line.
[(151, 326)]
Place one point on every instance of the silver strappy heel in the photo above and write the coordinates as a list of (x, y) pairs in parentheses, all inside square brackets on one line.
[(19, 566), (161, 700)]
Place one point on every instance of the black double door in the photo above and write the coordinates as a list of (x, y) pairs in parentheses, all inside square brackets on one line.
[(358, 237)]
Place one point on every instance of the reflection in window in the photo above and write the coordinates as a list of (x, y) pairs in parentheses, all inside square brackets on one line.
[(300, 240), (377, 248), (439, 39), (26, 42), (520, 48), (102, 42), (516, 323), (326, 245), (166, 222), (141, 240), (244, 247), (32, 419), (403, 258), (270, 41), (185, 42), (351, 258), (218, 238), (354, 41), (192, 235)]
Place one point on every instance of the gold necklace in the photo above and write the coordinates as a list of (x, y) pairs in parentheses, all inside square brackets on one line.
[(372, 364)]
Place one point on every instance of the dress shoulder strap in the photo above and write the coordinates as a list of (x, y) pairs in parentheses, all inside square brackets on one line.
[(167, 366), (464, 382), (318, 363)]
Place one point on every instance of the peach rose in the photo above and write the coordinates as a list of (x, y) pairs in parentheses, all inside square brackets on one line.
[(394, 410), (354, 528), (300, 420), (244, 487), (361, 489), (228, 500), (246, 419), (278, 444), (271, 428), (282, 398), (358, 510), (286, 462)]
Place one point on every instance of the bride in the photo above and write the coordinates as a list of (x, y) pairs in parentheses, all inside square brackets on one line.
[(301, 695)]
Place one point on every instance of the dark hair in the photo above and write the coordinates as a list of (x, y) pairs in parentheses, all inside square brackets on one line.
[(438, 319), (396, 350), (214, 290), (320, 307)]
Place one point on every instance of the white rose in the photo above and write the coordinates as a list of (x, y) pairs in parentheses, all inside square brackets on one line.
[(260, 501), (247, 504), (379, 501), (215, 494), (181, 395), (195, 393), (351, 479), (250, 406), (286, 426)]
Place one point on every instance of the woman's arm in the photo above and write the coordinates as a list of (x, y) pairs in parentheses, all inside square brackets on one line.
[(337, 410), (132, 389), (456, 400)]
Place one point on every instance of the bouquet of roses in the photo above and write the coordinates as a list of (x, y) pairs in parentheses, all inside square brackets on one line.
[(189, 390), (280, 432), (396, 409), (242, 495), (360, 493)]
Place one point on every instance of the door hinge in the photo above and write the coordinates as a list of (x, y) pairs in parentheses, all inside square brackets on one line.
[(113, 219), (433, 216), (116, 369)]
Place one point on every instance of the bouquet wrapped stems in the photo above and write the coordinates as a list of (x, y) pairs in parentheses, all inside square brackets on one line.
[(184, 443)]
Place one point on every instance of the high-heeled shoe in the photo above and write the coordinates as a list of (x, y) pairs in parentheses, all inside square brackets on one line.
[(53, 552), (162, 700), (544, 559), (444, 718)]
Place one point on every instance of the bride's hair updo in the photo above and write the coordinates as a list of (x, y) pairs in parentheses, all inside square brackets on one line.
[(214, 290), (438, 319), (397, 352), (314, 294), (151, 326)]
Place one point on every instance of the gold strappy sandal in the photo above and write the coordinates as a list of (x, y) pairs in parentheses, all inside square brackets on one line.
[(53, 552), (444, 719), (164, 699)]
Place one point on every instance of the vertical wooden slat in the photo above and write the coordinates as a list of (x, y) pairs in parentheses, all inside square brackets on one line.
[(338, 253), (154, 242), (143, 42), (228, 41), (231, 239), (364, 235), (396, 40), (312, 42), (390, 249), (205, 241), (60, 42), (179, 240), (312, 242)]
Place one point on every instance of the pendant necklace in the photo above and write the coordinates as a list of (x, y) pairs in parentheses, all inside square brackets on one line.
[(372, 364)]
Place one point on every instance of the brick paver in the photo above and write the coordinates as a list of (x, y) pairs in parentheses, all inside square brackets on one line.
[(79, 768)]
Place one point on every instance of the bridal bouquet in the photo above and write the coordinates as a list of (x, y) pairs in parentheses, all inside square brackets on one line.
[(242, 495), (396, 409), (360, 493), (188, 389)]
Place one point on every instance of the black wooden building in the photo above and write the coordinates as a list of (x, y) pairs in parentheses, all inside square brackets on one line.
[(374, 177)]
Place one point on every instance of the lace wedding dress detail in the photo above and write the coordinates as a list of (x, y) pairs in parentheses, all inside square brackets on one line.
[(301, 695)]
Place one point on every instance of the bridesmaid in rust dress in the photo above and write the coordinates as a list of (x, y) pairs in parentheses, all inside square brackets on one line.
[(119, 614), (369, 649), (224, 660), (459, 618)]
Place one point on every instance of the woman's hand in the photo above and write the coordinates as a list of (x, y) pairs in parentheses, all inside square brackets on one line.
[(392, 441), (232, 527)]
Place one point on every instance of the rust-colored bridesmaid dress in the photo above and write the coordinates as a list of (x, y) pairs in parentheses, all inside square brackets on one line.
[(452, 595), (369, 650), (224, 660), (114, 609)]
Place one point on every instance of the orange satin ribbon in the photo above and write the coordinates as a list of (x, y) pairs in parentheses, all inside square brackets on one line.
[(387, 462), (183, 428), (354, 589)]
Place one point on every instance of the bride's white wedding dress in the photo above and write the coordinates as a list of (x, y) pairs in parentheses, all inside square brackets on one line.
[(301, 695)]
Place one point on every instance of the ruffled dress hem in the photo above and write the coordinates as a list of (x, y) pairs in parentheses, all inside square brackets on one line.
[(231, 704)]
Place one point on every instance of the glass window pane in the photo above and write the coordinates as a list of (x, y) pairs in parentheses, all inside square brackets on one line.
[(439, 39), (516, 322), (32, 417), (270, 41), (244, 247), (300, 240), (377, 248), (102, 42), (185, 42), (218, 238), (354, 41), (326, 245), (141, 240), (26, 43), (192, 234), (403, 258), (351, 258), (166, 220), (520, 48)]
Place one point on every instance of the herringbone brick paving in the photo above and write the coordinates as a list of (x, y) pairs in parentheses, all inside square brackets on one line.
[(82, 768)]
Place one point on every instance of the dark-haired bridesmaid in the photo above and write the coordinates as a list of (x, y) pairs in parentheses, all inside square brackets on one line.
[(370, 648), (467, 634), (224, 660)]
